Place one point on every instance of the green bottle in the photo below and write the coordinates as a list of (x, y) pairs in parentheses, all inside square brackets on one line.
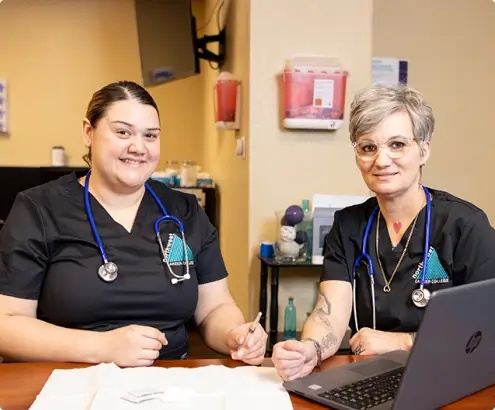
[(307, 226), (290, 320)]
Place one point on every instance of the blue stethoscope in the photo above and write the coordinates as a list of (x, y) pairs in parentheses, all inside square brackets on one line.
[(108, 271), (420, 296)]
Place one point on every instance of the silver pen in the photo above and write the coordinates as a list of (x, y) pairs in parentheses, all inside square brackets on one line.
[(250, 331)]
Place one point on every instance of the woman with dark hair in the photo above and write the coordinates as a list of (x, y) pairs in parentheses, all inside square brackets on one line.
[(111, 266)]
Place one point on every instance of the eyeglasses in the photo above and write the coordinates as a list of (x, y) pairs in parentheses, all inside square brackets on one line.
[(396, 148)]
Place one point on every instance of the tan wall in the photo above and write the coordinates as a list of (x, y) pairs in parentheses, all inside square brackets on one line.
[(231, 171), (286, 167), (449, 44), (56, 53)]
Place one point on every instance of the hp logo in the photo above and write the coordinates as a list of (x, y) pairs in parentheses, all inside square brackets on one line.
[(473, 342)]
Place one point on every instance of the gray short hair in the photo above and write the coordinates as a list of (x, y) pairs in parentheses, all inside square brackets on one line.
[(372, 105)]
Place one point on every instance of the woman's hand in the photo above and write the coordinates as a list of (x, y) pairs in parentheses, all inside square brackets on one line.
[(246, 346), (293, 359), (371, 342), (131, 346)]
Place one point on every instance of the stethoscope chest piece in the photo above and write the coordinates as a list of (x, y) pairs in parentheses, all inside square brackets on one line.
[(108, 271), (421, 297)]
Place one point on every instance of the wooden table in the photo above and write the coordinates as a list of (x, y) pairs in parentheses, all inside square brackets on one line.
[(21, 382)]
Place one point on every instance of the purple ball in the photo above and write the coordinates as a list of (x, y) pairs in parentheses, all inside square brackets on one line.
[(294, 215)]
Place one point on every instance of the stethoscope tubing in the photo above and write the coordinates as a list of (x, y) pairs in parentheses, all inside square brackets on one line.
[(91, 219), (364, 256), (156, 226)]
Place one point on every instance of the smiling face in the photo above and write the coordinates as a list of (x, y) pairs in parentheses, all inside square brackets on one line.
[(389, 157), (125, 143)]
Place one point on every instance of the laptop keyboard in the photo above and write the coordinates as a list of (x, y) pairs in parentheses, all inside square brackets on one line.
[(367, 393)]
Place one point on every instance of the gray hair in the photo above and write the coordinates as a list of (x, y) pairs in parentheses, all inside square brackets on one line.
[(372, 105)]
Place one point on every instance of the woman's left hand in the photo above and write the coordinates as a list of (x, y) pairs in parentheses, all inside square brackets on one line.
[(372, 342), (245, 346)]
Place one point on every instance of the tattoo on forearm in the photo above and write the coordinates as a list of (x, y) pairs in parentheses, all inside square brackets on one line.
[(322, 315)]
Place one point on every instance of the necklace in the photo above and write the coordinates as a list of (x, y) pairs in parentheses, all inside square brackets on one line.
[(387, 288)]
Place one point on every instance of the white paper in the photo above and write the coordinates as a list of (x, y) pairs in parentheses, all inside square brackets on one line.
[(101, 387), (387, 71)]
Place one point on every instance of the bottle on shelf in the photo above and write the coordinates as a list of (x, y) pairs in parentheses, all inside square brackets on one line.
[(290, 320), (307, 226)]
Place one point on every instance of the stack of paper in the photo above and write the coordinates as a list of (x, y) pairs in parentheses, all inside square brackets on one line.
[(107, 386)]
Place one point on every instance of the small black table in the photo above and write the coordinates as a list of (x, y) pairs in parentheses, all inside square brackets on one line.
[(274, 266)]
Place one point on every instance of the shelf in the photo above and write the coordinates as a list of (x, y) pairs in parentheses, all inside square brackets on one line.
[(273, 263)]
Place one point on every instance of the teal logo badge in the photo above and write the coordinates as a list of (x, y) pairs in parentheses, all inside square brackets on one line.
[(435, 272), (175, 251)]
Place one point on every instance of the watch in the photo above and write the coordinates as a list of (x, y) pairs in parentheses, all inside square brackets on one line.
[(317, 348)]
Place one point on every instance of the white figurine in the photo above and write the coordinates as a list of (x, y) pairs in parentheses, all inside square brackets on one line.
[(288, 233), (287, 245)]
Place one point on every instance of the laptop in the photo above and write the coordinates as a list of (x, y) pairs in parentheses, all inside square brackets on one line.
[(453, 356)]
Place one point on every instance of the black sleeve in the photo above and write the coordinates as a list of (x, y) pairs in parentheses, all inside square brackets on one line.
[(23, 250), (209, 262), (474, 255), (334, 262)]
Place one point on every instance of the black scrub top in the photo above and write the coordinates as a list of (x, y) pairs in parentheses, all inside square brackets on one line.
[(48, 253), (462, 250)]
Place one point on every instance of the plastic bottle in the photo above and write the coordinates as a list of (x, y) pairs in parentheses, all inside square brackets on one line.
[(290, 320)]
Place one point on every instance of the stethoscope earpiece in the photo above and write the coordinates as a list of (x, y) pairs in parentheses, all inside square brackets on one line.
[(177, 280)]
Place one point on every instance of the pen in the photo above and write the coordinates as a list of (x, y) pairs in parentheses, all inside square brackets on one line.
[(251, 330)]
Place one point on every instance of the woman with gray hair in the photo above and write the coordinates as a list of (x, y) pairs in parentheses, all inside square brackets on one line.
[(414, 240)]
